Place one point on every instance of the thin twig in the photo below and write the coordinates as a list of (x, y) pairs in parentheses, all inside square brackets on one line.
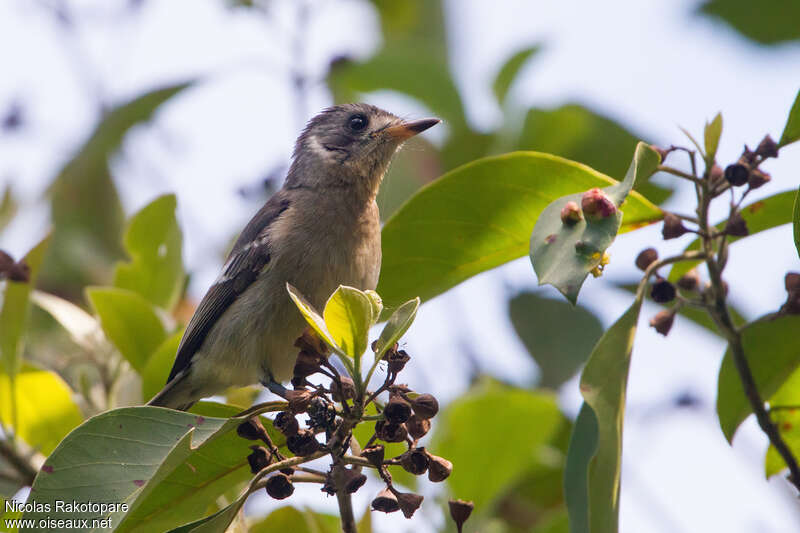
[(679, 173), (27, 472)]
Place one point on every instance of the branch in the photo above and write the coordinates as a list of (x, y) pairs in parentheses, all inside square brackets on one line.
[(27, 472)]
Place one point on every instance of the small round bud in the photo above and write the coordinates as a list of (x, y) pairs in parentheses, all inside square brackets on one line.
[(390, 432), (425, 406), (417, 426), (767, 147), (758, 178), (689, 281), (439, 468), (663, 320), (374, 454), (646, 257), (252, 429), (303, 443), (596, 205), (408, 502), (662, 291), (258, 459), (736, 226), (299, 400), (716, 174), (346, 392), (673, 227), (397, 410), (286, 423), (571, 214), (792, 282), (737, 174), (385, 502), (279, 486), (415, 461), (460, 511)]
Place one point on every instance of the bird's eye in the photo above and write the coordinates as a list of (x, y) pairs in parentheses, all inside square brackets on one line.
[(357, 122)]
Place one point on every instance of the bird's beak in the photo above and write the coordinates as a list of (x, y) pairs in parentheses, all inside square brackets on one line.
[(405, 130)]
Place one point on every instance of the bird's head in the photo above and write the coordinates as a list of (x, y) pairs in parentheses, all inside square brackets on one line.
[(350, 145)]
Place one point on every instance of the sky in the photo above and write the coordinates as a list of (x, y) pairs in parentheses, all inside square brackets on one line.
[(651, 65)]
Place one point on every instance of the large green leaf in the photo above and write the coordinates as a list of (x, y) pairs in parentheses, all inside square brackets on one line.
[(508, 72), (153, 240), (86, 212), (772, 356), (348, 316), (577, 133), (478, 217), (45, 409), (769, 24), (563, 254), (596, 482), (558, 336), (501, 448), (784, 409), (791, 132), (760, 215), (14, 314), (129, 321)]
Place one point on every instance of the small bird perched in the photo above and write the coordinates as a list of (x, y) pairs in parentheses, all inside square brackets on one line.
[(320, 230)]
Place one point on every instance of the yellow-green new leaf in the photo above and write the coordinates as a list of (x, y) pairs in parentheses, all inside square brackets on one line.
[(712, 133), (311, 315), (348, 316), (396, 326)]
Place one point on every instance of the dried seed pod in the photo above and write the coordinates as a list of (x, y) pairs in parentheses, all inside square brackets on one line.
[(767, 147), (310, 342), (460, 511), (346, 392), (417, 426), (397, 410), (646, 258), (425, 406), (390, 432), (716, 174), (306, 364), (758, 178), (408, 502), (329, 487), (736, 225), (689, 281), (596, 205), (439, 468), (673, 227), (258, 459), (662, 321), (792, 282), (571, 214), (415, 461), (353, 480), (397, 360), (385, 502), (374, 454), (279, 486), (252, 429), (299, 400), (737, 173), (662, 291), (321, 413), (5, 262), (286, 423), (303, 443), (19, 271)]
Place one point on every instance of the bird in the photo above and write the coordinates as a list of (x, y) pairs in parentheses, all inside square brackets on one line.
[(321, 229)]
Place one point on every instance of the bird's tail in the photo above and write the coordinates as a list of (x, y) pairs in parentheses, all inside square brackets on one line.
[(176, 394)]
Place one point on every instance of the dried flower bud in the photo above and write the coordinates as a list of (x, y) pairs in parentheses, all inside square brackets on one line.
[(716, 174), (758, 178), (329, 487), (286, 423), (425, 405), (5, 262), (279, 486), (439, 468), (258, 459), (767, 147), (299, 400), (397, 410), (307, 363), (390, 432), (408, 502), (748, 157), (385, 502), (374, 454), (596, 205), (397, 360), (663, 320), (662, 291), (321, 413), (417, 426), (460, 511), (737, 174), (571, 214), (792, 305), (310, 342), (646, 258), (303, 443), (353, 480), (252, 429), (673, 227), (736, 225), (346, 392), (415, 461), (19, 271), (689, 281), (792, 282)]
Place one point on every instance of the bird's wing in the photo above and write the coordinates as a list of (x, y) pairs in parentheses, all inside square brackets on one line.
[(249, 256)]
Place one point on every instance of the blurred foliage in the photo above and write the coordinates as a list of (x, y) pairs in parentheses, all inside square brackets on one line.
[(791, 132), (766, 23), (8, 207)]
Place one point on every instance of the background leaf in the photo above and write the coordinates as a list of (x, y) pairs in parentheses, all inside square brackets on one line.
[(8, 207), (509, 71), (796, 222), (791, 132), (784, 410), (82, 327), (769, 25), (582, 447), (156, 370), (295, 520)]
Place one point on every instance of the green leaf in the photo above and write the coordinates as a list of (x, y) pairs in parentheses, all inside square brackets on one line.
[(603, 385), (312, 317), (45, 409), (784, 410), (508, 72), (791, 132), (129, 321), (582, 447), (14, 314), (295, 520), (478, 217), (82, 327), (155, 372), (796, 222), (348, 316), (153, 240), (217, 522), (8, 207), (770, 26), (562, 254), (574, 132), (396, 326), (768, 336), (712, 133), (558, 336), (517, 446), (760, 215)]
